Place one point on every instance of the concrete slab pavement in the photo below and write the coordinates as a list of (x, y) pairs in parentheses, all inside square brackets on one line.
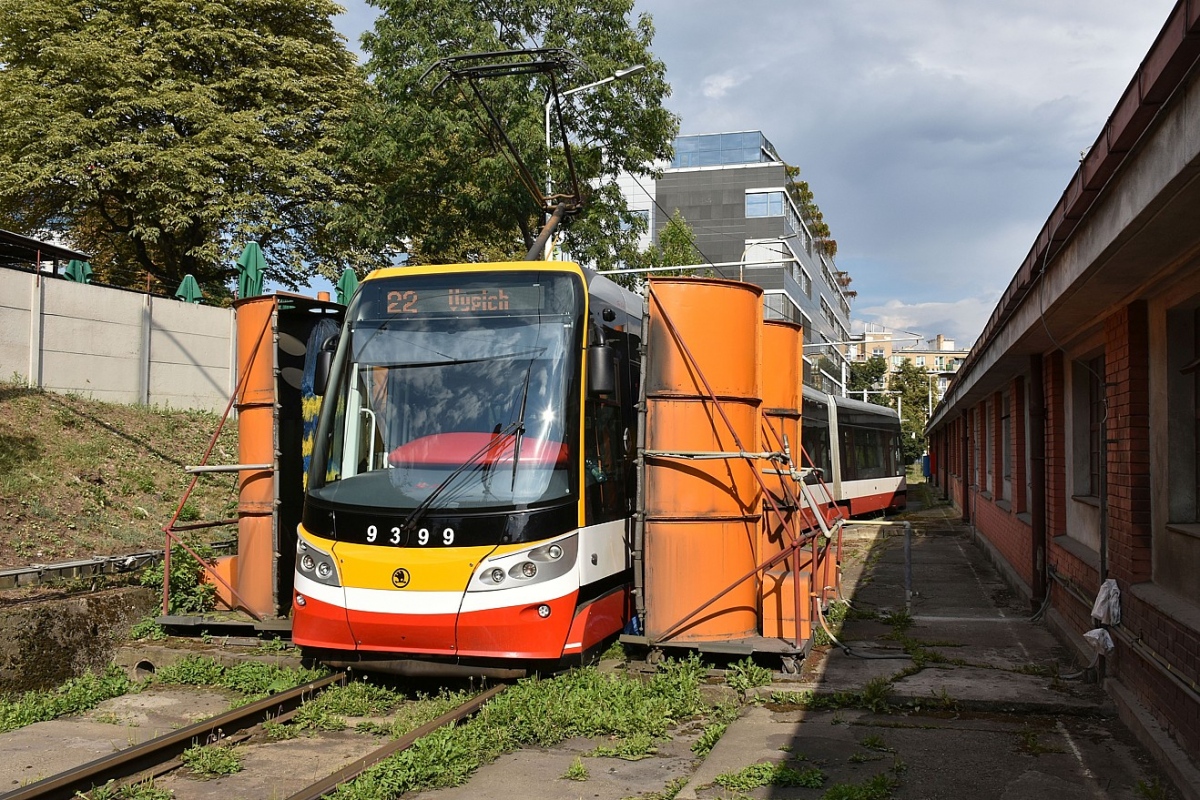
[(967, 696)]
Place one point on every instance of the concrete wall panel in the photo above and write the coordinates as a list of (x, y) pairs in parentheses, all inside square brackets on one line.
[(99, 303), (63, 334), (187, 386), (114, 345), (109, 378)]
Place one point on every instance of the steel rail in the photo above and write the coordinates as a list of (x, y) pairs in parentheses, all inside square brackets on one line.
[(354, 769), (132, 760)]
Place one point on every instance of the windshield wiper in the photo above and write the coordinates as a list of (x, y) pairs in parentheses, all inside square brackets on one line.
[(417, 513), (520, 433)]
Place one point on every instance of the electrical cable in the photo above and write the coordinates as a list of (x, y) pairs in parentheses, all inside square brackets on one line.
[(846, 649)]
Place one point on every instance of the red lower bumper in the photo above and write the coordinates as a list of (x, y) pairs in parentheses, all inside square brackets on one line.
[(517, 632)]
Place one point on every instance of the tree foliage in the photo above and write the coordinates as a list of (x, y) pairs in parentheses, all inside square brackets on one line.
[(806, 203), (441, 182), (867, 375), (912, 383), (162, 135)]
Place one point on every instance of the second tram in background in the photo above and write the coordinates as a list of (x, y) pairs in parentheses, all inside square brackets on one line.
[(856, 446)]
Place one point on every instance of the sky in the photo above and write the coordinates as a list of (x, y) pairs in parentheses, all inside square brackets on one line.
[(936, 135)]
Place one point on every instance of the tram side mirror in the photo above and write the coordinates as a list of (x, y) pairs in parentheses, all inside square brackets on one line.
[(601, 367), (324, 364)]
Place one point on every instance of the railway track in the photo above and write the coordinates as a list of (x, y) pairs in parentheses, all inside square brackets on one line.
[(160, 756)]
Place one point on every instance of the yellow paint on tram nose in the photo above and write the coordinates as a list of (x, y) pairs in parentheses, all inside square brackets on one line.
[(429, 569)]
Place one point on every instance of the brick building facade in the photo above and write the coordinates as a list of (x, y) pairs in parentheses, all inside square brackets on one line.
[(1070, 437)]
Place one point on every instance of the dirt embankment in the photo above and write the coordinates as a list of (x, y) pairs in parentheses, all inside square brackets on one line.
[(80, 478)]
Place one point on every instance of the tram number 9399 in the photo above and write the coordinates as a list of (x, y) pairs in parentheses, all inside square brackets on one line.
[(396, 536)]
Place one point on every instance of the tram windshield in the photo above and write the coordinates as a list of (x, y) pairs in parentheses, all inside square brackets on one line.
[(452, 391)]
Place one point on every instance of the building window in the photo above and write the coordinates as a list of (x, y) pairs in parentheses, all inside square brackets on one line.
[(1096, 415), (939, 363), (1006, 444), (805, 282), (989, 446), (920, 361), (764, 204), (877, 352), (1177, 550)]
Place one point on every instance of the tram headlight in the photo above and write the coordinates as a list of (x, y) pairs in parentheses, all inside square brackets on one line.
[(537, 563), (315, 564)]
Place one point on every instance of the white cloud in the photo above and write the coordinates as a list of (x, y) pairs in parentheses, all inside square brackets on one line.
[(717, 86), (960, 320)]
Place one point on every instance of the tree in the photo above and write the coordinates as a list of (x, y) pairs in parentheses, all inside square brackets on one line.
[(442, 182), (867, 375), (912, 383), (162, 135)]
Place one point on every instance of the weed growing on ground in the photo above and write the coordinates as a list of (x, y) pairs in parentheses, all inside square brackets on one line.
[(876, 788), (1028, 742), (148, 629), (615, 652), (632, 748), (359, 699), (835, 615), (274, 645), (190, 594), (765, 774), (577, 771), (212, 761), (73, 697), (720, 718), (138, 791), (253, 679), (415, 713), (1151, 791), (899, 620), (875, 742), (876, 695), (541, 712), (745, 675), (668, 793)]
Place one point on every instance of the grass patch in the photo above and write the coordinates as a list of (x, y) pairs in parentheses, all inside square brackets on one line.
[(73, 697), (835, 615), (212, 761), (745, 675), (876, 788), (81, 477), (541, 712), (146, 790), (577, 771), (253, 679), (764, 774)]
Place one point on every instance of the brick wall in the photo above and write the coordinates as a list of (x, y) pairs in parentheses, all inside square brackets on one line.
[(1056, 442), (1176, 710), (1128, 393), (1011, 536)]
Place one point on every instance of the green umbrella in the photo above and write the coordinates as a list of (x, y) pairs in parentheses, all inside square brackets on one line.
[(78, 271), (189, 290), (346, 286), (250, 270)]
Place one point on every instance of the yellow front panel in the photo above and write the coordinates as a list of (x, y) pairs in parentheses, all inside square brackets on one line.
[(439, 569)]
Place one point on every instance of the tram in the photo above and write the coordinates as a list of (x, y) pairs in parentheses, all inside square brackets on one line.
[(472, 478), (856, 446)]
